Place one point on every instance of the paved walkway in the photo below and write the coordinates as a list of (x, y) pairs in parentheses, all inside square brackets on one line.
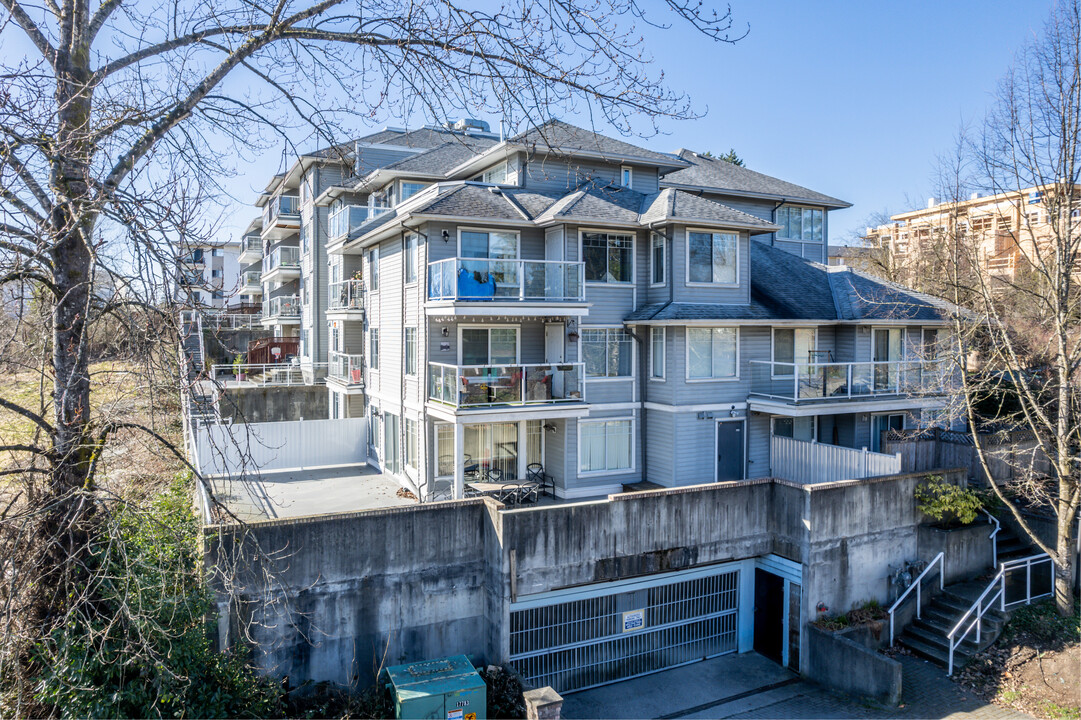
[(749, 686)]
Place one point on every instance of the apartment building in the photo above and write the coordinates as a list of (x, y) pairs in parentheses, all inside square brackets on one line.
[(571, 302), (1003, 229), (208, 274)]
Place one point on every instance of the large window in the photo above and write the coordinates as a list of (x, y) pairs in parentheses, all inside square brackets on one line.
[(411, 258), (712, 353), (802, 428), (656, 353), (607, 352), (605, 446), (713, 258), (373, 348), (791, 345), (656, 259), (373, 270), (410, 454), (409, 189), (410, 351), (496, 175), (608, 257), (498, 245), (800, 223), (489, 346)]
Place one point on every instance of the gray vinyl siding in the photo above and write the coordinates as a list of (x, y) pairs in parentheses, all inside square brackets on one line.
[(754, 344), (693, 445), (371, 158), (740, 295), (558, 174), (660, 438), (599, 391), (758, 445), (556, 458), (845, 343)]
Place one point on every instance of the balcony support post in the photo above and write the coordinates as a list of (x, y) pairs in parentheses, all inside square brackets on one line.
[(459, 461)]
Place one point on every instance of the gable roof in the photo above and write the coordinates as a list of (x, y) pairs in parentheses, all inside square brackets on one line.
[(678, 206), (438, 160), (563, 137), (724, 177)]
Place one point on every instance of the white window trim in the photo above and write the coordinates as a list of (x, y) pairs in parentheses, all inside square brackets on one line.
[(904, 342), (634, 256), (378, 355), (618, 378), (630, 176), (416, 259), (506, 173), (687, 355), (687, 257), (664, 265), (372, 257), (517, 244), (785, 238), (664, 348), (416, 353), (773, 344), (475, 326), (634, 447), (716, 448)]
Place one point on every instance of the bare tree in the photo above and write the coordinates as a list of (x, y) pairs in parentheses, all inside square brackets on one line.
[(112, 126), (1028, 338)]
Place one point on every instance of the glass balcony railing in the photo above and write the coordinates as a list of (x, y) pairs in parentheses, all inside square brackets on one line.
[(345, 295), (283, 306), (481, 279), (513, 384), (346, 219), (251, 245), (346, 368), (281, 206), (817, 382), (252, 279), (282, 257)]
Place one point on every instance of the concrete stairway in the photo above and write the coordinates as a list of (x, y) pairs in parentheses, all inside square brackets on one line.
[(201, 404), (927, 636)]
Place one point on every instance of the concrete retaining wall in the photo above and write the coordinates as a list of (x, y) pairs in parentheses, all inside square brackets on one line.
[(841, 663), (968, 550), (431, 580)]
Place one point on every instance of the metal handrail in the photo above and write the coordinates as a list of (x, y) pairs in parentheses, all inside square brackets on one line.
[(265, 374), (940, 561), (994, 541)]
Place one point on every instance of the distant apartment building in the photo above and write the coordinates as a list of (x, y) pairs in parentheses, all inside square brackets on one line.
[(208, 274), (1001, 231)]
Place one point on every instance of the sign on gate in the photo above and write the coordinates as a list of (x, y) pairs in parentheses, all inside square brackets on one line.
[(634, 620)]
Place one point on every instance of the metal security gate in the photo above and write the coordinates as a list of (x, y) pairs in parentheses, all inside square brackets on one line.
[(594, 635)]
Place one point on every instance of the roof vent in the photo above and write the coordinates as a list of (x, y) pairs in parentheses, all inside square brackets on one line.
[(466, 124), (931, 203), (974, 196), (495, 190)]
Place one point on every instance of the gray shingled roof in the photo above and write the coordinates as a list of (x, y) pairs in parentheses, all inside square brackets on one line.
[(534, 203), (558, 135), (597, 202), (441, 158), (676, 205), (786, 287), (720, 175), (469, 200)]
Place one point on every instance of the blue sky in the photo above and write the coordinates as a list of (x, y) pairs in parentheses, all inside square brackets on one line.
[(853, 99)]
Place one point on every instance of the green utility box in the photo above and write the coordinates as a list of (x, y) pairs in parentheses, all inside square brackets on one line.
[(446, 689)]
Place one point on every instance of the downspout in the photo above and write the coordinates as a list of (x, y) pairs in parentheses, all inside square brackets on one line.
[(773, 219), (642, 348)]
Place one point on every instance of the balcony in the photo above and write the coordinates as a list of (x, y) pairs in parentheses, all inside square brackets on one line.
[(474, 285), (194, 259), (281, 217), (821, 384), (251, 281), (345, 221), (282, 310), (480, 386), (346, 370), (345, 300), (251, 249), (283, 263), (190, 278)]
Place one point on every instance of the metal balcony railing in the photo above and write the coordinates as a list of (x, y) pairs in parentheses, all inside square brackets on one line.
[(283, 306), (511, 384), (281, 206), (282, 257), (346, 368), (481, 279), (817, 382), (346, 219), (345, 295)]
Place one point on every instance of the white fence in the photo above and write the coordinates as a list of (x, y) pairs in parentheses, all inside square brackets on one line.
[(813, 462), (229, 449)]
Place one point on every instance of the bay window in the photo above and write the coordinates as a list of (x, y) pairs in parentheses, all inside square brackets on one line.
[(605, 446), (607, 352), (713, 258), (712, 353), (608, 257)]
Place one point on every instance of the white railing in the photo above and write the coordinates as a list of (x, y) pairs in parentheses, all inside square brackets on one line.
[(345, 295), (283, 306), (273, 374), (346, 367), (993, 537), (284, 256), (938, 560), (815, 462), (984, 603), (480, 279), (817, 382), (287, 205), (346, 219), (510, 384), (233, 321)]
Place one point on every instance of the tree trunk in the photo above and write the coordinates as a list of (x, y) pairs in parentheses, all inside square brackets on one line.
[(1065, 564)]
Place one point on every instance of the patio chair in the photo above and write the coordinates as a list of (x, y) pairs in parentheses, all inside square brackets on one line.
[(534, 473)]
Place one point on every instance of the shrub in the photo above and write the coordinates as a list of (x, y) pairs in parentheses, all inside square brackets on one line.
[(144, 651), (947, 503)]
